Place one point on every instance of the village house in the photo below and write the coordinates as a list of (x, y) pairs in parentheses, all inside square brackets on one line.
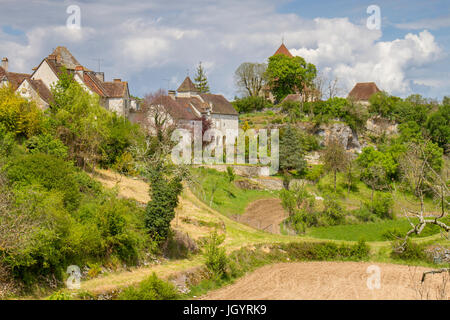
[(186, 105), (362, 91), (114, 95)]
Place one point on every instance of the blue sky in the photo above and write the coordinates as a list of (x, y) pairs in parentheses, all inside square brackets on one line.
[(154, 44)]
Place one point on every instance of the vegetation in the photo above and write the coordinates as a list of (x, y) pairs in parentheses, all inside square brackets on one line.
[(287, 75), (200, 80)]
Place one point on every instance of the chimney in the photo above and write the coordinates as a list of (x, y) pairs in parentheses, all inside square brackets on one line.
[(172, 94), (52, 57), (5, 64), (79, 70), (100, 76), (117, 80)]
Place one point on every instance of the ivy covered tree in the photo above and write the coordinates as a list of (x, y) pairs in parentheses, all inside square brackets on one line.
[(164, 191), (201, 81), (287, 75)]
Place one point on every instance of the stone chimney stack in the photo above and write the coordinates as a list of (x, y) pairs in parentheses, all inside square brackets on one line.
[(172, 94), (5, 64), (117, 80), (80, 70)]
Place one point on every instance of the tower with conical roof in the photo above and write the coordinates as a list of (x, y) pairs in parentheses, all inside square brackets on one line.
[(187, 88)]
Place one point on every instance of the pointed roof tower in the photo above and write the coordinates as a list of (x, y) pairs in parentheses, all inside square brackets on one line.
[(187, 86), (284, 51)]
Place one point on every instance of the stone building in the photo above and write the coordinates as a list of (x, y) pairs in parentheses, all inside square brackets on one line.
[(114, 95), (186, 105), (362, 91)]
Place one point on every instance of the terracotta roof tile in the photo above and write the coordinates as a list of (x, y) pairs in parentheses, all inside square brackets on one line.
[(283, 50), (13, 77), (363, 91)]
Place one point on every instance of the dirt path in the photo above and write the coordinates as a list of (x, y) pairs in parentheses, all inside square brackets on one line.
[(264, 214), (331, 280)]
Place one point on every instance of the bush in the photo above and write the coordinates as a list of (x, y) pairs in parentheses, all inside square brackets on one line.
[(333, 211), (216, 258), (45, 170), (152, 288), (412, 251), (251, 104), (45, 143), (382, 205), (18, 115), (314, 173)]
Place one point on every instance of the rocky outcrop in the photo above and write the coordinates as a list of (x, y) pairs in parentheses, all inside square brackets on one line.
[(379, 126), (341, 132)]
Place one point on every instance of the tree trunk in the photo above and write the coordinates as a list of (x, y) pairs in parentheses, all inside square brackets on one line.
[(335, 173)]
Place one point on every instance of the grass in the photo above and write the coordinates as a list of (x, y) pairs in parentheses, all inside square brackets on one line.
[(215, 190), (374, 231)]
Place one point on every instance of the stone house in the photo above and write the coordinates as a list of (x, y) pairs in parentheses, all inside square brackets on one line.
[(114, 95), (362, 91), (186, 105)]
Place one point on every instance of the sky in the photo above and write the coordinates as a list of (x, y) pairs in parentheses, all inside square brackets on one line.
[(155, 44)]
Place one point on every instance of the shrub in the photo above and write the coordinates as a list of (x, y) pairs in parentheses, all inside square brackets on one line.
[(45, 143), (412, 251), (160, 210), (230, 173), (45, 170), (382, 205), (333, 211), (152, 288), (251, 104), (17, 114), (216, 258), (314, 173)]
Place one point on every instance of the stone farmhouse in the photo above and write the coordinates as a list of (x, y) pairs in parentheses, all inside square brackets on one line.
[(362, 91), (186, 105), (114, 95)]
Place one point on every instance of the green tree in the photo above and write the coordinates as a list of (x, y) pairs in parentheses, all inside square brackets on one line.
[(164, 191), (287, 75), (201, 81), (439, 128), (335, 158), (291, 150)]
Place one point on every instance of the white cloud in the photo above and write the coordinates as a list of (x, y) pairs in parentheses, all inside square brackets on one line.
[(145, 42)]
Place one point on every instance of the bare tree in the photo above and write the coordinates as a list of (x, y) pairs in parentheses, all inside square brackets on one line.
[(423, 179), (250, 78), (328, 87)]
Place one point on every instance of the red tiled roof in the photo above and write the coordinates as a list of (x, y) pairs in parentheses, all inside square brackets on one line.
[(363, 91), (13, 77), (283, 50)]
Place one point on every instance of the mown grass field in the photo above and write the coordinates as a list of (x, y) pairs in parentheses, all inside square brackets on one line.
[(216, 190), (374, 231)]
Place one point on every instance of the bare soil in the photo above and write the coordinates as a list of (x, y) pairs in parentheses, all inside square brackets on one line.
[(334, 280), (264, 214)]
